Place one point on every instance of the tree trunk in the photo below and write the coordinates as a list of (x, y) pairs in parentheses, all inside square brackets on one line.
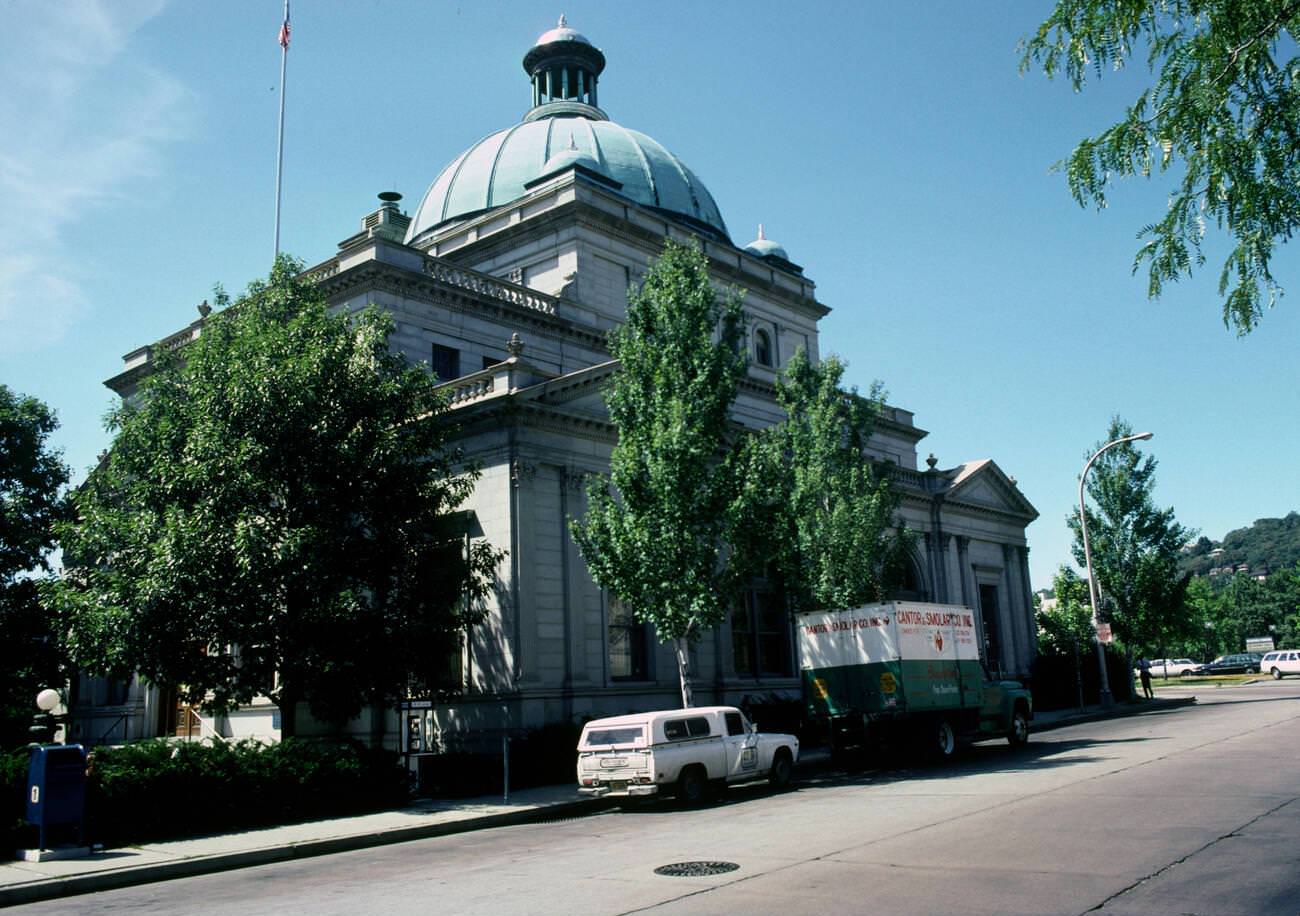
[(683, 647)]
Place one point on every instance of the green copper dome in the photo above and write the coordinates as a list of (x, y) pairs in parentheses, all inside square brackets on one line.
[(565, 125)]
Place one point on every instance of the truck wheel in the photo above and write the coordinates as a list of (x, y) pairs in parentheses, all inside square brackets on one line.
[(1018, 733), (692, 785), (782, 769), (945, 739)]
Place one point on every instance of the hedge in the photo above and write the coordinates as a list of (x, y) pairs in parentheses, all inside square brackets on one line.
[(159, 789)]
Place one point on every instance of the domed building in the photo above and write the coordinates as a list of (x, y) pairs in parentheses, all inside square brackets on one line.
[(505, 280)]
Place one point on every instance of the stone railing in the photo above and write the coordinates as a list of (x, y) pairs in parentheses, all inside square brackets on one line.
[(908, 478), (470, 388), (177, 340), (485, 285), (322, 271)]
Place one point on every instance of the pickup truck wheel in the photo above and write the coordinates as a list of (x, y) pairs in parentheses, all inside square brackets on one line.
[(692, 785), (945, 740), (782, 769), (1018, 733)]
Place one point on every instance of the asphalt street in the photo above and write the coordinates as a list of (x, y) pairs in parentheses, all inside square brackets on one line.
[(1187, 811)]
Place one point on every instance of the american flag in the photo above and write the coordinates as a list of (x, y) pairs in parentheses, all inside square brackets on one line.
[(284, 28)]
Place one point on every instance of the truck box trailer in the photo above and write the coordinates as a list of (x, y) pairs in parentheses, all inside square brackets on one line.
[(877, 672)]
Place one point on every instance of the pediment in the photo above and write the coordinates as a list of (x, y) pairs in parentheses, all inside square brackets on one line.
[(983, 484)]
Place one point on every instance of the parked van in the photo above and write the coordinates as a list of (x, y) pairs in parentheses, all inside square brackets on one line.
[(684, 751), (1280, 664)]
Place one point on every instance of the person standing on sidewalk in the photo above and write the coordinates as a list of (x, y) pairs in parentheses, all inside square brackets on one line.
[(1144, 671)]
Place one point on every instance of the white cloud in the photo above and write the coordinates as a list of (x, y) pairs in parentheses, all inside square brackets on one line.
[(82, 123)]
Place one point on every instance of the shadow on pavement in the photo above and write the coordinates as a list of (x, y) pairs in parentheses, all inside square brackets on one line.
[(971, 760)]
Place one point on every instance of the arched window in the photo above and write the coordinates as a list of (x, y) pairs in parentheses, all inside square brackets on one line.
[(762, 347)]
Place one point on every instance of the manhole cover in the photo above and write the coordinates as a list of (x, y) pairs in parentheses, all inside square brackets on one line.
[(695, 869)]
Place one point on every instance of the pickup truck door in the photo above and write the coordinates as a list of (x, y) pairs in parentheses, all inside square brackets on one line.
[(741, 743)]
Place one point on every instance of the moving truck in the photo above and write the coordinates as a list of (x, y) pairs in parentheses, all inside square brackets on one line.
[(905, 669)]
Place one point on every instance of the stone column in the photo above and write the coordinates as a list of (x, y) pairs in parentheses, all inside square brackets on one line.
[(1011, 574), (1029, 601)]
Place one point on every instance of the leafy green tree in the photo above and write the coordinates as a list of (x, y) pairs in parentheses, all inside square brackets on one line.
[(274, 516), (830, 524), (1135, 547), (32, 478), (656, 540), (1067, 625), (1223, 115)]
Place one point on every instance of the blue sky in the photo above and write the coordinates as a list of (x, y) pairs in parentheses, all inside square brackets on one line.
[(893, 149)]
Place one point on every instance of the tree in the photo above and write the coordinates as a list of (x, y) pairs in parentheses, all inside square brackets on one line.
[(1223, 113), (1067, 623), (274, 516), (656, 539), (1135, 547), (830, 526), (32, 478)]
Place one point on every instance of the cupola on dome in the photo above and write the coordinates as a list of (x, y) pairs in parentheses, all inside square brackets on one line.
[(565, 127)]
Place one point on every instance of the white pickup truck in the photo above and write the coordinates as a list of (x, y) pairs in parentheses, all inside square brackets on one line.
[(681, 750)]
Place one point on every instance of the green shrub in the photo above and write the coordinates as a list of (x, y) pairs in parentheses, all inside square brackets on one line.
[(13, 791), (156, 790)]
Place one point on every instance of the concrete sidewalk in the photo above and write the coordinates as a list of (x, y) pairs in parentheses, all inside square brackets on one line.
[(26, 882)]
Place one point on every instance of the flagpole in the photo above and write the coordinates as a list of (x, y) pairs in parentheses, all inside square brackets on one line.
[(279, 157)]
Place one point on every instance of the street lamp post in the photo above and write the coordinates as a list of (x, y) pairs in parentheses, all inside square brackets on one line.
[(1094, 591)]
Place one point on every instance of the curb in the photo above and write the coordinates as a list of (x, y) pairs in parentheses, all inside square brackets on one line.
[(129, 876), (1118, 711)]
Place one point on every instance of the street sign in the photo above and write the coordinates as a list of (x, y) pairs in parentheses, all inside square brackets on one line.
[(1104, 634)]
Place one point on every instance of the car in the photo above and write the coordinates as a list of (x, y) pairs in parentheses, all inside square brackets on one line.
[(1281, 663), (683, 751), (1237, 663), (1172, 667)]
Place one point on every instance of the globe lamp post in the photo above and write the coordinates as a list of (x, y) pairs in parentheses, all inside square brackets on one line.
[(42, 730), (1094, 591)]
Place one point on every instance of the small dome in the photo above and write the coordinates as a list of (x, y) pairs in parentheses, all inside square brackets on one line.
[(561, 32), (763, 247)]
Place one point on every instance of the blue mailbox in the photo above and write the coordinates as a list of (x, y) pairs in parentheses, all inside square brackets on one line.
[(56, 793)]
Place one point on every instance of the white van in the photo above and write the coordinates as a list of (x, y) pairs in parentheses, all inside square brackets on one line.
[(680, 750), (1280, 664)]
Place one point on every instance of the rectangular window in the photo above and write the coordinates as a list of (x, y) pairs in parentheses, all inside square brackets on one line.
[(628, 645), (606, 736), (445, 362), (682, 729), (490, 361), (760, 635)]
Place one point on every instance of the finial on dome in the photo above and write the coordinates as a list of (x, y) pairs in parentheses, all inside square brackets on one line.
[(563, 23), (763, 247)]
